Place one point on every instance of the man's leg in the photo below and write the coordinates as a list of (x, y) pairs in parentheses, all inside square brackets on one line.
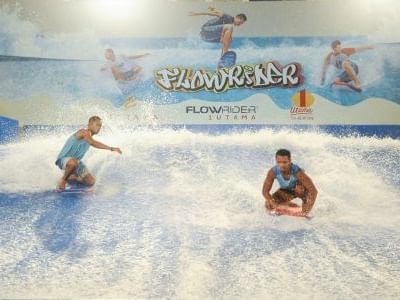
[(282, 198), (132, 74), (284, 205), (301, 192), (135, 72), (87, 178), (339, 81), (226, 38), (352, 74), (118, 75), (70, 168), (74, 177)]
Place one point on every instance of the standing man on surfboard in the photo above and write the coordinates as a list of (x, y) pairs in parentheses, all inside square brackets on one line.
[(339, 57), (294, 183), (220, 28), (70, 156)]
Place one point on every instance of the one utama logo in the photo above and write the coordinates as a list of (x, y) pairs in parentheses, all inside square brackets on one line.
[(302, 102), (266, 75)]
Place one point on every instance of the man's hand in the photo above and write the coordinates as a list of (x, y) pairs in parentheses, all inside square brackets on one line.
[(116, 149), (270, 205)]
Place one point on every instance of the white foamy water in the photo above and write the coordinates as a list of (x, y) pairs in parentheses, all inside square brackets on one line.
[(180, 215)]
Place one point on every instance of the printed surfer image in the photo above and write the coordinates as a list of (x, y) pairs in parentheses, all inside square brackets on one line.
[(220, 30), (340, 58), (124, 69)]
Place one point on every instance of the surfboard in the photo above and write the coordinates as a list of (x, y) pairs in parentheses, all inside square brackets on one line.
[(227, 60), (345, 87), (292, 212), (76, 188)]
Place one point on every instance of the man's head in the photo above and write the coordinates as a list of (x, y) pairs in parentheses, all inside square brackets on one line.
[(336, 46), (109, 54), (94, 124), (283, 159), (239, 19)]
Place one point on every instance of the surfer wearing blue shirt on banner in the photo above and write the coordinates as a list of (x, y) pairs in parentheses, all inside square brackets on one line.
[(70, 156), (339, 58), (294, 183), (219, 30)]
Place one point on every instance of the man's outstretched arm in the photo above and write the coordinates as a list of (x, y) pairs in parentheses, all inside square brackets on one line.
[(352, 50), (83, 134), (220, 13), (137, 56), (213, 12), (369, 47)]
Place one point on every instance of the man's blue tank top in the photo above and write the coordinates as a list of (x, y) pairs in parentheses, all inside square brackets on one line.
[(73, 148), (287, 184)]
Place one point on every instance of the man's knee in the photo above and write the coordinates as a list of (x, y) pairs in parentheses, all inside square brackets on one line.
[(299, 191), (279, 197), (72, 163), (275, 197), (347, 67), (89, 180), (338, 81), (284, 198)]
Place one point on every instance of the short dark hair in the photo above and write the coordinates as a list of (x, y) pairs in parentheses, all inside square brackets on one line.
[(335, 43), (242, 17), (94, 118), (283, 152)]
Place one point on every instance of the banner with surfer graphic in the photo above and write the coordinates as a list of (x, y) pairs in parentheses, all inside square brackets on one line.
[(215, 70)]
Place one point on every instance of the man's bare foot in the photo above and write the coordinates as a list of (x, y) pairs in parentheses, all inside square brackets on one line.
[(61, 185)]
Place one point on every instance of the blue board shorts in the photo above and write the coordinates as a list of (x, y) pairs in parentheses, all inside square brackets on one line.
[(81, 170), (345, 77), (129, 75), (212, 33)]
